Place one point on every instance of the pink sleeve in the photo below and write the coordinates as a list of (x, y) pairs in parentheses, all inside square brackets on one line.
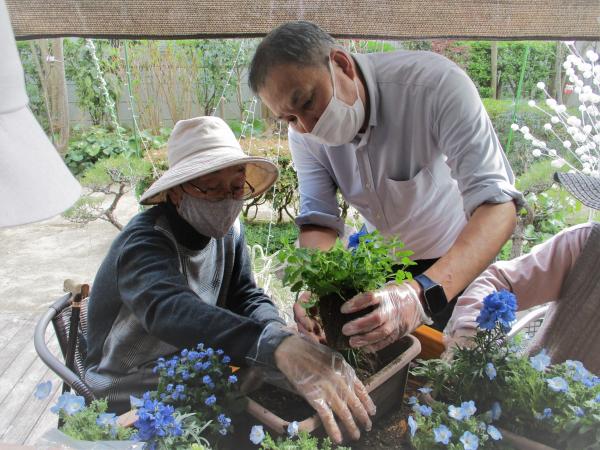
[(534, 278)]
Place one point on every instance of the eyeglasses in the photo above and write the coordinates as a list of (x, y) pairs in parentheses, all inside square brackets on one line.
[(214, 195)]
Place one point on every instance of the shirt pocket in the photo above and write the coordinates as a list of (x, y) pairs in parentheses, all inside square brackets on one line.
[(407, 200)]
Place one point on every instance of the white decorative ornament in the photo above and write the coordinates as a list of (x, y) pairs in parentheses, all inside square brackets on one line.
[(514, 127), (554, 119), (558, 163), (567, 144), (541, 85), (531, 103), (551, 102), (536, 152), (552, 152), (547, 126), (524, 129)]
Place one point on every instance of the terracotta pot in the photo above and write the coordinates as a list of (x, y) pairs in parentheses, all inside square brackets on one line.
[(386, 388), (432, 342)]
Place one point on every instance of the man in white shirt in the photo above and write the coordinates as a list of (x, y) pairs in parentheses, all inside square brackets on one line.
[(406, 140)]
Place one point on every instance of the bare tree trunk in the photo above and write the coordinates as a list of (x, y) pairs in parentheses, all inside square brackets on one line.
[(494, 48), (61, 101), (557, 85), (518, 238)]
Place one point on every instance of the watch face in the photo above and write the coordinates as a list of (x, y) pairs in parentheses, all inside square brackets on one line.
[(436, 298)]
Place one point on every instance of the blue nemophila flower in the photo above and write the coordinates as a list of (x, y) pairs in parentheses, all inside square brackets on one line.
[(220, 352), (412, 400), (257, 434), (69, 403), (469, 441), (425, 390), (354, 239), (155, 419), (292, 429), (496, 411), (210, 351), (185, 375), (558, 384), (210, 400), (135, 402), (425, 410), (540, 361), (412, 424), (169, 387), (171, 373), (106, 420), (545, 415), (184, 352), (198, 366), (232, 379), (579, 412), (468, 408), (226, 359), (490, 371), (206, 379), (498, 307), (193, 355), (442, 434), (43, 390), (456, 412), (494, 432), (224, 420)]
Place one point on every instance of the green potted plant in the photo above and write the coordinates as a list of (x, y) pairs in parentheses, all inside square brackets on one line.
[(493, 395), (335, 276)]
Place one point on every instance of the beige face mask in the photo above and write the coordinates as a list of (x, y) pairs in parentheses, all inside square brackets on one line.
[(212, 219)]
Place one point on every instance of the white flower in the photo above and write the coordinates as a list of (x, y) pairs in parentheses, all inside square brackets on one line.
[(572, 120), (547, 126), (257, 434), (591, 55), (557, 163), (536, 152), (541, 85), (528, 136), (567, 65), (587, 128), (514, 127), (292, 429), (567, 144), (554, 119), (531, 103), (524, 129)]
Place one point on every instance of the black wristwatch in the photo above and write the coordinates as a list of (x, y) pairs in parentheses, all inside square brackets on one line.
[(435, 298)]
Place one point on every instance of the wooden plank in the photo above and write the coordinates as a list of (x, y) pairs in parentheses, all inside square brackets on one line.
[(13, 347), (9, 326), (45, 422), (21, 364)]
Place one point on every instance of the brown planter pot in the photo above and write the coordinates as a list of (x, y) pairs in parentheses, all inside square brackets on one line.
[(333, 320), (386, 388), (521, 442)]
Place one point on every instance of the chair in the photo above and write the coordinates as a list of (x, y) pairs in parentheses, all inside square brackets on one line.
[(69, 318), (530, 323)]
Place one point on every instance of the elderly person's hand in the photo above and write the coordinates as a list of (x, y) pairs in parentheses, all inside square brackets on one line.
[(307, 325), (328, 384), (397, 311)]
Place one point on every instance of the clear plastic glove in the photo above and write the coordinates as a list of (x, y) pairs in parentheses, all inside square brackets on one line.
[(307, 326), (398, 311), (328, 384), (461, 327)]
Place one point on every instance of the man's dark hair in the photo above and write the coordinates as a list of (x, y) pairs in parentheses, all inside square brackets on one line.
[(301, 42)]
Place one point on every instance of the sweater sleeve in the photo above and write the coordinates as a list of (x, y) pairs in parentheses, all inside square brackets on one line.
[(157, 293)]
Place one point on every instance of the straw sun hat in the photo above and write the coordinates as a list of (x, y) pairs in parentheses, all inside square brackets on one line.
[(203, 145)]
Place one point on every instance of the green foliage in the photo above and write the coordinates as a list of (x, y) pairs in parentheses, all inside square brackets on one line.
[(81, 70), (33, 84), (83, 426), (282, 234), (303, 441), (362, 269), (115, 170), (258, 126)]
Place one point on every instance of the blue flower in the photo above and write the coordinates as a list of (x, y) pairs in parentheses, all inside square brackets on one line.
[(232, 379), (412, 400), (193, 355), (292, 429), (496, 411), (425, 390), (354, 239), (156, 420), (490, 371), (224, 420), (171, 373), (106, 420), (135, 402), (425, 410), (456, 412), (220, 352), (540, 361), (198, 366), (498, 307), (257, 434), (469, 441), (545, 415), (558, 384), (185, 375), (468, 408), (184, 352), (226, 359), (597, 399), (69, 403), (206, 379), (494, 432), (579, 412), (412, 424), (43, 390), (210, 400), (210, 351), (442, 434)]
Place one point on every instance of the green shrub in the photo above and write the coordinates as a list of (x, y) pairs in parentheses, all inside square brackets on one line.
[(281, 234)]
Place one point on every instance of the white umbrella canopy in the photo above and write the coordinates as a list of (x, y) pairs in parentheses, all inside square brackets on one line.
[(382, 19)]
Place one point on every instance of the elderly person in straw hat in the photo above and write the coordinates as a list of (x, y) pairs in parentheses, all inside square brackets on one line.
[(564, 270), (179, 274)]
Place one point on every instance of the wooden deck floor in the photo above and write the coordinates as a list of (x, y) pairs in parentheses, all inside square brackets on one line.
[(23, 418)]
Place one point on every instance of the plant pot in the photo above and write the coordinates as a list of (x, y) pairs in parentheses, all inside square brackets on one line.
[(386, 388), (432, 342), (521, 442), (55, 438), (333, 320)]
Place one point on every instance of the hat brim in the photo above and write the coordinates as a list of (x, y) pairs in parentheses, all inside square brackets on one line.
[(584, 188), (261, 173), (35, 184)]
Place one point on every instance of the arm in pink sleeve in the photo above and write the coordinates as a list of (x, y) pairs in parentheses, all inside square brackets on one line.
[(534, 278)]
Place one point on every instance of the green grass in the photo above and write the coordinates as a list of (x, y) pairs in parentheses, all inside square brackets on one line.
[(257, 232)]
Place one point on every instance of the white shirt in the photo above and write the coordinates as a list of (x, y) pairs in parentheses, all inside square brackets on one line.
[(428, 158)]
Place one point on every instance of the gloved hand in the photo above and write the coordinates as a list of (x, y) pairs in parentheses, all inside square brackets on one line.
[(328, 384), (398, 311), (307, 326), (461, 327)]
